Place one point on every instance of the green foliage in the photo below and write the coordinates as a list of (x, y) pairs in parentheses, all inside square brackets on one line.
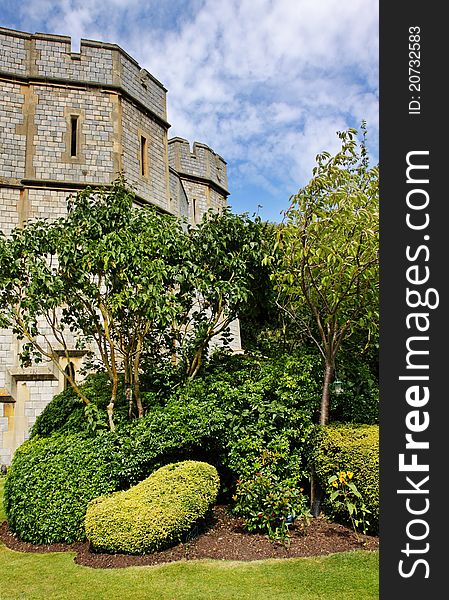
[(2, 510), (268, 501), (155, 513), (130, 283), (326, 265), (50, 482), (239, 408), (359, 400), (343, 494), (52, 479), (268, 404), (354, 448), (66, 413), (225, 259)]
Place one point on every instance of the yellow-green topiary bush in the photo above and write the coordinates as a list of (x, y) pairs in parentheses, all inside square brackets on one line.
[(154, 513), (352, 448)]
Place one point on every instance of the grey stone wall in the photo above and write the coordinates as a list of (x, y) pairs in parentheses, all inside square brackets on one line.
[(51, 140), (51, 57), (201, 161), (154, 186), (13, 143), (43, 85)]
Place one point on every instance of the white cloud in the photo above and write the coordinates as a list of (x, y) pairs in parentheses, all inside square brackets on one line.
[(266, 83)]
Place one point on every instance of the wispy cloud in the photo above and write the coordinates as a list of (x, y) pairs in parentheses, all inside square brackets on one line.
[(266, 83)]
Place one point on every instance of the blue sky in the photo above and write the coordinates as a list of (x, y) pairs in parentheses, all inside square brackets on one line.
[(265, 83)]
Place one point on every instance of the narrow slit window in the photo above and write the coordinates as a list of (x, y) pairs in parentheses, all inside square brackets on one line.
[(73, 136), (143, 156), (195, 210), (70, 372)]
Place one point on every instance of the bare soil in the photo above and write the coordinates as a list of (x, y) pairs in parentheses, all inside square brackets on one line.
[(221, 538)]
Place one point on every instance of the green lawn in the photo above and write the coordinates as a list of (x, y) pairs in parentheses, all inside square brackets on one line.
[(348, 576)]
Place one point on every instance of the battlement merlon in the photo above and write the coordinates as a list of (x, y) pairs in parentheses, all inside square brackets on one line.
[(200, 163), (43, 57)]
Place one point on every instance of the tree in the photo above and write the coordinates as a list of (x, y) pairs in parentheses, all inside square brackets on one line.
[(225, 257), (126, 283), (327, 270), (106, 275)]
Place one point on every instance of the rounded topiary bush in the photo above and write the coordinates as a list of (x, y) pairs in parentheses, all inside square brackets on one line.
[(154, 513), (352, 448), (51, 480)]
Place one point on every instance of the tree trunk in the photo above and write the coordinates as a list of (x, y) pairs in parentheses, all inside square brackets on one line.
[(328, 376), (136, 377), (129, 399), (197, 361), (316, 494), (110, 409), (110, 406), (128, 389)]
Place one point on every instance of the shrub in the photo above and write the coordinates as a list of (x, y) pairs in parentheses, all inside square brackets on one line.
[(50, 482), (353, 448), (52, 479), (66, 412), (344, 495), (359, 400), (269, 502), (239, 408), (268, 405), (156, 512)]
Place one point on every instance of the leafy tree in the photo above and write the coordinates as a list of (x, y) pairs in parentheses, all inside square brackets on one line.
[(327, 270), (128, 283), (31, 295), (224, 262), (106, 273)]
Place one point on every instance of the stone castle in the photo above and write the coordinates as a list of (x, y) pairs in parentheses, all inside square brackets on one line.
[(70, 120)]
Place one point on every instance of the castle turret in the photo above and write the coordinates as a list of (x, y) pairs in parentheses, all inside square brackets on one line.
[(71, 119), (203, 175)]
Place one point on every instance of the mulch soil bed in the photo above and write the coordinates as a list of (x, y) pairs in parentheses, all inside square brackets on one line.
[(222, 538)]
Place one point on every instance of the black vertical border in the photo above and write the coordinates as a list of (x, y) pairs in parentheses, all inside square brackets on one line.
[(400, 133)]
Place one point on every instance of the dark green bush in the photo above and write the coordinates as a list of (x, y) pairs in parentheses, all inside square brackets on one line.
[(359, 401), (66, 412), (241, 407), (353, 448), (156, 512), (268, 406), (51, 480)]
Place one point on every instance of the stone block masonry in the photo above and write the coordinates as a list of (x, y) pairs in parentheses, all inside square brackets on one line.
[(71, 119)]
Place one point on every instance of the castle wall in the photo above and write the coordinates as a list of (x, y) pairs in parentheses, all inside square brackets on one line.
[(115, 102), (51, 157), (203, 176), (13, 143), (69, 119), (200, 162), (155, 183)]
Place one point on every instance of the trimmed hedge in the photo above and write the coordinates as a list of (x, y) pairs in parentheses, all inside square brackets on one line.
[(51, 480), (350, 448), (155, 513), (241, 408)]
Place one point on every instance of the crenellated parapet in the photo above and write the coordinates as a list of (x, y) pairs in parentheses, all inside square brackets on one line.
[(42, 56), (201, 162)]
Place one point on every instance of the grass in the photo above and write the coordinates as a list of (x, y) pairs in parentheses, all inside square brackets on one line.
[(345, 576)]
